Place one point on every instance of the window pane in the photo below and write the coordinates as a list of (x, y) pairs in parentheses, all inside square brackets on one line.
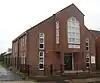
[(41, 66), (76, 46), (69, 40), (77, 41), (87, 48), (86, 44), (87, 64), (57, 25), (41, 53), (41, 34), (41, 40), (87, 55), (71, 46), (87, 60), (41, 46), (57, 32), (41, 60), (57, 39)]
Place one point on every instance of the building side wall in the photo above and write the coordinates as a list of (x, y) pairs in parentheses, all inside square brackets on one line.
[(14, 52), (98, 53), (91, 51), (48, 28)]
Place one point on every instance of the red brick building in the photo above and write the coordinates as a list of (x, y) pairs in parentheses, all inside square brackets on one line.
[(60, 39), (97, 47)]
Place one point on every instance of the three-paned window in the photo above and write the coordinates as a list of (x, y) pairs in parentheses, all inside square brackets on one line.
[(41, 40), (41, 60), (87, 60), (87, 44)]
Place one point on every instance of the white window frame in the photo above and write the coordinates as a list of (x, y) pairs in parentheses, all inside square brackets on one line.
[(88, 57), (73, 28), (57, 32), (43, 40), (87, 41), (43, 60)]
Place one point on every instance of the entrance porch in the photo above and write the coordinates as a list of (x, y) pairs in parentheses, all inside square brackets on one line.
[(73, 61)]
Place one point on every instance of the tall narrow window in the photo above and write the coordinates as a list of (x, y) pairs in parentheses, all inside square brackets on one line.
[(87, 44), (57, 32), (41, 40), (73, 33), (41, 60), (87, 60)]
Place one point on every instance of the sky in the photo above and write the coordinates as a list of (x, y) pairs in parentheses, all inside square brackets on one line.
[(16, 16)]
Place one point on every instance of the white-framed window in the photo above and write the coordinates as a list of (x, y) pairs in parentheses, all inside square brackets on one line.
[(41, 60), (87, 44), (57, 32), (41, 40), (87, 60), (73, 27)]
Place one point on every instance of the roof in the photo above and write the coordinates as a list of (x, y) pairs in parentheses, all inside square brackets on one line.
[(70, 6), (19, 36), (95, 32), (7, 53), (90, 31), (55, 14), (46, 20)]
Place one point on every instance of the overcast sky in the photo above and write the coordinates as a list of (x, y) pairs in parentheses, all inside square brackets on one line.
[(16, 16)]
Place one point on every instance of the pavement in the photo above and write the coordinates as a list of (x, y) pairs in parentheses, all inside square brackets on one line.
[(7, 76), (88, 80)]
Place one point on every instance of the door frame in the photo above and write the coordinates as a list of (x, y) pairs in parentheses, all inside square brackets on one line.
[(72, 60)]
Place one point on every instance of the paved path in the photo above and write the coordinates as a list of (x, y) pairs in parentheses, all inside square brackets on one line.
[(88, 80), (7, 75)]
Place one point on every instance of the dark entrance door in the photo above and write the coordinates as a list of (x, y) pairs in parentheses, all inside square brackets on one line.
[(68, 61)]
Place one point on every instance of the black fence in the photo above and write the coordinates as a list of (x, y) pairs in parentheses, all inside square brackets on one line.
[(51, 70), (59, 70), (48, 69), (25, 68), (9, 62)]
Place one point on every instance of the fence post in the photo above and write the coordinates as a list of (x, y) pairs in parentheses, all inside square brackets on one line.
[(51, 69), (28, 69), (61, 69), (44, 70), (89, 71)]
